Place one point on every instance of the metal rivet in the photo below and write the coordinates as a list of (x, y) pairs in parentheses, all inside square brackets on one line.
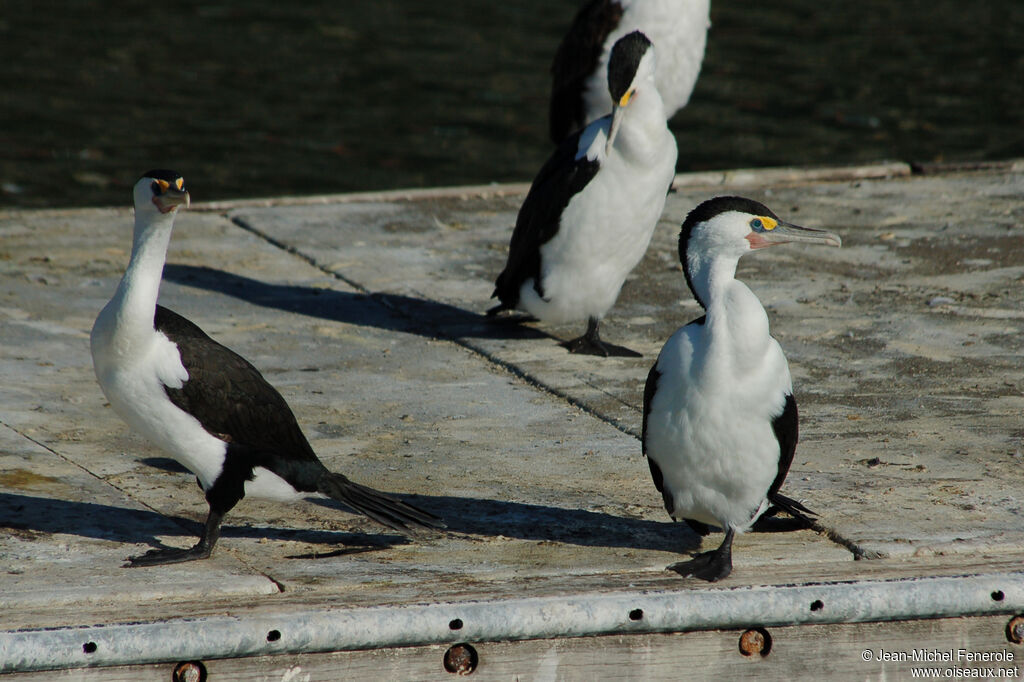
[(189, 671), (755, 641), (1015, 630), (461, 659)]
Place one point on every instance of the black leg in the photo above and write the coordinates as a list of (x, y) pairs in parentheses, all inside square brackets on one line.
[(591, 344), (222, 496), (201, 550), (711, 566)]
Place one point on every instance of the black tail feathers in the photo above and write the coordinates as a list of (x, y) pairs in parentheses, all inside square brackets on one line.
[(791, 507), (381, 507)]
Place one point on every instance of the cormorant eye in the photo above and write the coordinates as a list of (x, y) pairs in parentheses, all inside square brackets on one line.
[(757, 224)]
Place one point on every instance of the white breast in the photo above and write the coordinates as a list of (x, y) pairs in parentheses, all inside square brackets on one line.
[(603, 234), (710, 426), (133, 380)]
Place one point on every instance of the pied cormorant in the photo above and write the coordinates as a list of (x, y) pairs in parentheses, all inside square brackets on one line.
[(720, 421), (203, 404), (590, 213)]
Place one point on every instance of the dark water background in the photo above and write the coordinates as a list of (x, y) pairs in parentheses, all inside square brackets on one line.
[(265, 97)]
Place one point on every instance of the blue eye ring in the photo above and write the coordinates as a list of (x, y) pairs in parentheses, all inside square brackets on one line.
[(757, 224)]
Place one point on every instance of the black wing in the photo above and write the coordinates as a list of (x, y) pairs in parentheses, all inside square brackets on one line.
[(561, 178), (575, 60), (650, 388), (229, 396), (786, 427)]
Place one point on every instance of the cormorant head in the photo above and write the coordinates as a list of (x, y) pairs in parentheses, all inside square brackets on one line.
[(729, 227), (630, 67), (162, 190)]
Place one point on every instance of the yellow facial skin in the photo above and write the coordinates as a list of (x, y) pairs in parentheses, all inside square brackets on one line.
[(758, 226), (167, 198)]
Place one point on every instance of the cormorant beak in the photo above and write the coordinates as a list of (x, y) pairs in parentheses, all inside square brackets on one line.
[(172, 198), (784, 233), (613, 130), (617, 109)]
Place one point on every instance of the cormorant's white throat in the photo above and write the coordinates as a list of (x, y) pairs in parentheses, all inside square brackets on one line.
[(593, 207), (203, 404), (720, 422)]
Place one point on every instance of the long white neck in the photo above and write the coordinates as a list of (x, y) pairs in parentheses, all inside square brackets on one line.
[(128, 319), (736, 320)]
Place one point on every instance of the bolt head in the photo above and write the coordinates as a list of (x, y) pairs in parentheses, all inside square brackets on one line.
[(461, 659), (190, 671), (751, 642), (755, 642), (1015, 630)]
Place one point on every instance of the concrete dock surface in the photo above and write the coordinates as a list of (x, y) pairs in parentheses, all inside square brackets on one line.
[(365, 311)]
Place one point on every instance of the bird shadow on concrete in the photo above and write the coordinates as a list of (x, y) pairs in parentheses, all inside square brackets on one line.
[(488, 517), (538, 522), (392, 312), (29, 517)]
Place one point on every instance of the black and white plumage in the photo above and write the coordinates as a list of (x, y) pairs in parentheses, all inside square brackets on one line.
[(678, 29), (592, 209), (203, 404), (720, 421)]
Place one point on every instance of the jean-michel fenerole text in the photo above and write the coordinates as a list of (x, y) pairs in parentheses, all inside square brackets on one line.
[(945, 656)]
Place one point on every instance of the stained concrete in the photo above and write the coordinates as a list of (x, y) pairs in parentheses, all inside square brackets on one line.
[(365, 311)]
